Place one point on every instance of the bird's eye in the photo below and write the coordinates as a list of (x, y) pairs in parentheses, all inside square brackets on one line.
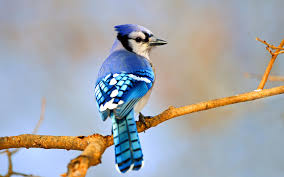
[(138, 39)]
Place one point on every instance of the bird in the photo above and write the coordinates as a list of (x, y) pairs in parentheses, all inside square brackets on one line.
[(124, 84)]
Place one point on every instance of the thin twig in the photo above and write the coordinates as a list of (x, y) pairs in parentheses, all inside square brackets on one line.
[(276, 53), (42, 112), (22, 174), (10, 167), (269, 45), (269, 67), (270, 51)]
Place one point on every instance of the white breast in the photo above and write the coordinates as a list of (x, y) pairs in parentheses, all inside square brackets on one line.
[(142, 102)]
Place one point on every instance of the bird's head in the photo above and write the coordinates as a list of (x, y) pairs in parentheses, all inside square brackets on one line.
[(137, 39)]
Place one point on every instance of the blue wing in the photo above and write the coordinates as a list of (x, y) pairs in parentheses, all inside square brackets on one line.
[(119, 92), (123, 61)]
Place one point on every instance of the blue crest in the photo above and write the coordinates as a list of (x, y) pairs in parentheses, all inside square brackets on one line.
[(128, 28)]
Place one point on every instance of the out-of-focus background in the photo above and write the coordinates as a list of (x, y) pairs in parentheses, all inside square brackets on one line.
[(53, 49)]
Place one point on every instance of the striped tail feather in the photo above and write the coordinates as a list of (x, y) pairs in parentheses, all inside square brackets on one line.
[(128, 153)]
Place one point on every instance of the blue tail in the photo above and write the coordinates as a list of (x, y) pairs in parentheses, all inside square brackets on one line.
[(128, 153)]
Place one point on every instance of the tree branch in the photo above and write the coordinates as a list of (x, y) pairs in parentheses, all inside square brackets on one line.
[(95, 145), (81, 142)]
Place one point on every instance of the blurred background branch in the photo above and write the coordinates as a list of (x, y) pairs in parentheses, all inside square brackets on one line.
[(270, 78)]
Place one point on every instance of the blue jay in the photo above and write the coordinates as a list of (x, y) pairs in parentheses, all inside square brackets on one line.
[(124, 84)]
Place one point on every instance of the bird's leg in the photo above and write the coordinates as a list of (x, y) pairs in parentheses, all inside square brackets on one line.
[(142, 119)]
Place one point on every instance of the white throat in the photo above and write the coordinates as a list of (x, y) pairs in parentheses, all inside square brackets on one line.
[(143, 53)]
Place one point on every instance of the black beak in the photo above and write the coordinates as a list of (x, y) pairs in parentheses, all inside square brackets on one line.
[(156, 42)]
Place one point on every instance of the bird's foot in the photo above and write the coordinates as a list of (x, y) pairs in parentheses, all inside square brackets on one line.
[(142, 119)]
